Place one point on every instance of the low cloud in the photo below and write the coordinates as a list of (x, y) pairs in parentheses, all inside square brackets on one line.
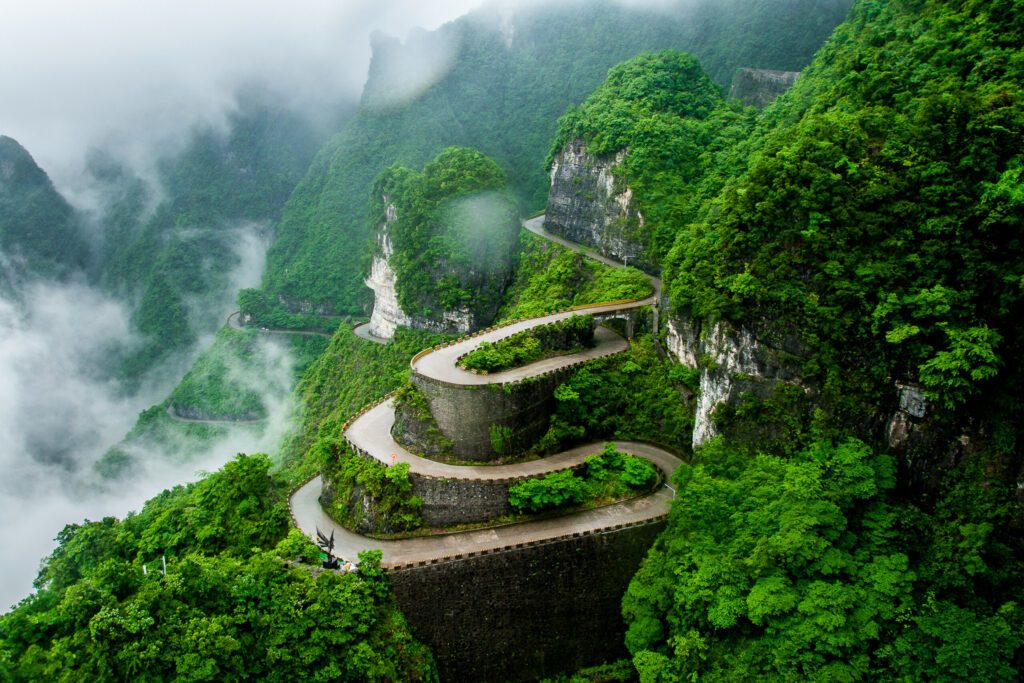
[(60, 411), (134, 78)]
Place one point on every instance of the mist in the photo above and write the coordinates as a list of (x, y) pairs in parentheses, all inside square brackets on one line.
[(134, 80), (60, 412)]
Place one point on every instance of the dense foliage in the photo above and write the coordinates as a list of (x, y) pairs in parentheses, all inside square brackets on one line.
[(605, 476), (868, 231), (506, 83), (230, 379), (802, 569), (39, 231), (364, 494), (260, 310), (668, 116), (880, 221), (568, 335), (227, 609), (452, 231), (632, 395), (551, 278)]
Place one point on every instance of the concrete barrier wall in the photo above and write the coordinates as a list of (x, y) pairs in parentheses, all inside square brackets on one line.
[(526, 612)]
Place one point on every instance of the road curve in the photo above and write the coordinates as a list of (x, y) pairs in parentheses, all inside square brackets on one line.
[(192, 420), (308, 515), (234, 322), (370, 433), (363, 332), (441, 363)]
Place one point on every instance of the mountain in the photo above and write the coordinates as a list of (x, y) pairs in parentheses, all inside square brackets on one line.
[(178, 253), (498, 83), (40, 234), (843, 302), (851, 297)]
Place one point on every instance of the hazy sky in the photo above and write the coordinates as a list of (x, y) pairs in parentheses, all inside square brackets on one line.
[(134, 74)]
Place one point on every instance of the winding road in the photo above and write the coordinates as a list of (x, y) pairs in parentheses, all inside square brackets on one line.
[(370, 433), (235, 323)]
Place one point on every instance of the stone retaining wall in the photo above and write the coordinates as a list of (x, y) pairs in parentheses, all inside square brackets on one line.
[(526, 612), (466, 414)]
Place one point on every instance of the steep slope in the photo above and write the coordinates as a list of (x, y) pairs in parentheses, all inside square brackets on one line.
[(221, 196), (872, 244), (506, 82), (39, 231), (445, 245), (627, 162)]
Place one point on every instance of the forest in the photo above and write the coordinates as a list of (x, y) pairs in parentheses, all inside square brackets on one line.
[(864, 229)]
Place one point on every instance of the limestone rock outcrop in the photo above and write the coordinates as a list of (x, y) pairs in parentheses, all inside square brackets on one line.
[(759, 87), (731, 360), (587, 205), (387, 312)]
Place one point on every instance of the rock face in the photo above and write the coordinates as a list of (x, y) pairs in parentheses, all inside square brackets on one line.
[(587, 206), (759, 87), (387, 312), (732, 361)]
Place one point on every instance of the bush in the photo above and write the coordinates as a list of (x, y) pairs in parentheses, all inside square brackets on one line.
[(608, 475), (544, 341)]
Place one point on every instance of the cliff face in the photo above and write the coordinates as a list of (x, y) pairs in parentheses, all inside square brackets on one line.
[(759, 87), (732, 363), (587, 205), (387, 312)]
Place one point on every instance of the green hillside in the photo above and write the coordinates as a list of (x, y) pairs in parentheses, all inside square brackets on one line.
[(876, 231), (503, 96), (39, 231), (177, 260), (455, 235)]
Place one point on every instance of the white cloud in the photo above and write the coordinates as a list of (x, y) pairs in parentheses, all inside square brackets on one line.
[(134, 76)]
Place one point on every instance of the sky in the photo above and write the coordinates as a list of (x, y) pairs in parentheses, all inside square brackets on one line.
[(133, 75)]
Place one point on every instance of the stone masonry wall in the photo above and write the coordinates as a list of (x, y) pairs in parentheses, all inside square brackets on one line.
[(447, 502), (465, 414), (528, 612)]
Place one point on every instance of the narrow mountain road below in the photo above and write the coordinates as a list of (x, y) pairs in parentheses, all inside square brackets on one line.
[(370, 433)]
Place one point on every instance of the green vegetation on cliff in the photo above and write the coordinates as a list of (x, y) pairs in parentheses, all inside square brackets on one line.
[(230, 379), (260, 310), (228, 608), (871, 229), (453, 234), (879, 221), (570, 335), (505, 86), (39, 230), (671, 121)]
